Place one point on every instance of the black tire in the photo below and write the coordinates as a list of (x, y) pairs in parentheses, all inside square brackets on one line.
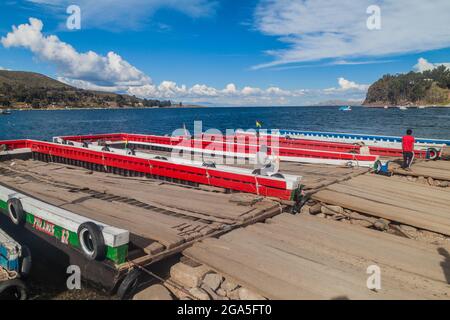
[(277, 175), (25, 262), (105, 148), (432, 153), (85, 145), (350, 164), (131, 152), (129, 284), (15, 211), (70, 143), (91, 241), (209, 164), (377, 166), (13, 290), (256, 171), (160, 158)]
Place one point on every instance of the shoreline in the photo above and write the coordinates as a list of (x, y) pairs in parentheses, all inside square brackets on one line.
[(103, 108)]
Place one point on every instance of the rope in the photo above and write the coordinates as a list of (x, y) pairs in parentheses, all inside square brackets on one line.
[(9, 275), (103, 161), (150, 166), (257, 185), (208, 176)]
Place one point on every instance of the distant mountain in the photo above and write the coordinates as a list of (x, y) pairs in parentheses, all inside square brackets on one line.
[(336, 103), (29, 90), (414, 88)]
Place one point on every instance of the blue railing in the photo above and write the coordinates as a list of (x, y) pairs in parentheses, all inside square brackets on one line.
[(358, 137)]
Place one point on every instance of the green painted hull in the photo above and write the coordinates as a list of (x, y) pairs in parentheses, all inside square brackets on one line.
[(116, 254)]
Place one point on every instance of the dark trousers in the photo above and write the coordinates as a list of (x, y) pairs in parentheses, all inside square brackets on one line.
[(408, 158)]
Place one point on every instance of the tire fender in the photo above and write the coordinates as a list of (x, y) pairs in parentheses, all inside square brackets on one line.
[(377, 166), (209, 164), (91, 241), (432, 153), (13, 290), (129, 284), (15, 211), (25, 262), (130, 152)]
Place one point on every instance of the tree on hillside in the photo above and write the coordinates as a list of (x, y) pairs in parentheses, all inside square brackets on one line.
[(431, 86)]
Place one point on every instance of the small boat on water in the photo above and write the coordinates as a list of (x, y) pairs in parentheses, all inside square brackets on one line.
[(5, 112), (403, 108), (345, 108)]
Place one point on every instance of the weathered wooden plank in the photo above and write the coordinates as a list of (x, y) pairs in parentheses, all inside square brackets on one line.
[(396, 199), (302, 257), (382, 210)]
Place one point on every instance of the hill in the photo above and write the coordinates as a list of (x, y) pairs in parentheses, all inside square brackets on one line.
[(335, 103), (414, 88), (29, 90)]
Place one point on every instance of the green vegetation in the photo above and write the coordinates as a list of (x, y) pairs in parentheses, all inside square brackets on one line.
[(27, 90), (416, 88)]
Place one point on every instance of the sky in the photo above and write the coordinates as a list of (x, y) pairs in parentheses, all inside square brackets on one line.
[(225, 52)]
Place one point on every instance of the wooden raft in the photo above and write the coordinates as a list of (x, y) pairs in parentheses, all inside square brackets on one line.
[(160, 216), (410, 203), (305, 257)]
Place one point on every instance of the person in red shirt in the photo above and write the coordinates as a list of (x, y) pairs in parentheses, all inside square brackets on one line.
[(408, 149)]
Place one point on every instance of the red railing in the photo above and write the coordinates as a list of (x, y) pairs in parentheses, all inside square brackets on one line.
[(239, 144), (264, 186), (14, 144)]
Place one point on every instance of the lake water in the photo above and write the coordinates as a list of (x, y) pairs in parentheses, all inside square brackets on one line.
[(43, 125)]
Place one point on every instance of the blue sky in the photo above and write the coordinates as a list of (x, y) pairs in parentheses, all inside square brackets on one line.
[(254, 52)]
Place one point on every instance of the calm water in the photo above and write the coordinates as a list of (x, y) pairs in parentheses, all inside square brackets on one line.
[(43, 125)]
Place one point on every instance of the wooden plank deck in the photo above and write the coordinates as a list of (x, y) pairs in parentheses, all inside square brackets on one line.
[(439, 170), (410, 203), (305, 257), (160, 216)]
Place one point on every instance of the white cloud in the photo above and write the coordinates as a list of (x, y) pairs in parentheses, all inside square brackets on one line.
[(114, 14), (424, 65), (111, 73), (350, 85), (231, 94), (86, 85), (347, 85), (230, 88), (327, 29), (250, 91), (109, 70)]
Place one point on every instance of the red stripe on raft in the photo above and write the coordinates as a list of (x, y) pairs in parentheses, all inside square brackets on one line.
[(337, 146), (233, 146), (264, 186), (15, 144)]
